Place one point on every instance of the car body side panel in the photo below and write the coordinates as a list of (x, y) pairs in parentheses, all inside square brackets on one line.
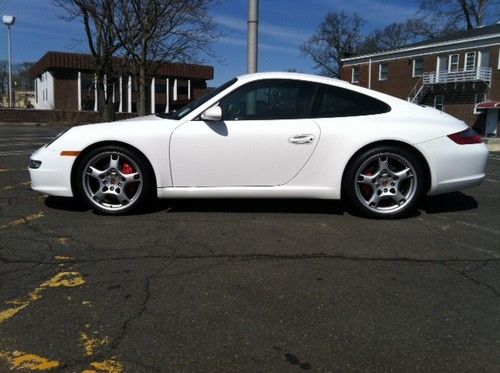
[(151, 137), (343, 137), (241, 153)]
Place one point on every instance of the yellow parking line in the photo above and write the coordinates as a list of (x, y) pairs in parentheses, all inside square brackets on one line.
[(90, 342), (24, 220), (23, 360), (64, 279), (108, 366)]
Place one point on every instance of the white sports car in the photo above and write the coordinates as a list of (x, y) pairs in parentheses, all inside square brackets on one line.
[(269, 135)]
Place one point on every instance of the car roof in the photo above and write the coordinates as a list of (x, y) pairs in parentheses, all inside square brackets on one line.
[(391, 100)]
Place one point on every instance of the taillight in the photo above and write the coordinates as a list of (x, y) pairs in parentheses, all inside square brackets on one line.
[(468, 136)]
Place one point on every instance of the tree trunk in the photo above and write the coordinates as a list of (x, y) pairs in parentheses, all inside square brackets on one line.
[(104, 104)]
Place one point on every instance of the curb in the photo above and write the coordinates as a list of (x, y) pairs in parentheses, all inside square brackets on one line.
[(29, 124)]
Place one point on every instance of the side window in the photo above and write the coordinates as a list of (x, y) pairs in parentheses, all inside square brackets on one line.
[(355, 74), (269, 99), (383, 71), (439, 102), (340, 102), (418, 67)]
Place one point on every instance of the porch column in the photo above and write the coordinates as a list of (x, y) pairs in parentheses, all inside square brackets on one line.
[(79, 91), (370, 73), (189, 89), (95, 93), (129, 94), (105, 84), (167, 106), (120, 106), (153, 98), (478, 65), (175, 90)]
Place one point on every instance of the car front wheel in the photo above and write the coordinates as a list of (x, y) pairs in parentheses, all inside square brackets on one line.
[(114, 180), (384, 182)]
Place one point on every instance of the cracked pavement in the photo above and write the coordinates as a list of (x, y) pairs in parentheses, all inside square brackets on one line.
[(244, 285)]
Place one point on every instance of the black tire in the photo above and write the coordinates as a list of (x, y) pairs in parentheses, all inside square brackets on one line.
[(114, 180), (384, 182)]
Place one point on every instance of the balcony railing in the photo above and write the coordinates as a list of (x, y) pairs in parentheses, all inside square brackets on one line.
[(478, 74)]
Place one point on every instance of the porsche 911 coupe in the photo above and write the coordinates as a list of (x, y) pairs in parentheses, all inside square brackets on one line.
[(268, 135)]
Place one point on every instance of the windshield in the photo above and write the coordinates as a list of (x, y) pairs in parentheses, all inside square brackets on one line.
[(199, 101)]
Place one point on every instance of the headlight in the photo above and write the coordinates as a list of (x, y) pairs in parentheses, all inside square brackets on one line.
[(57, 136)]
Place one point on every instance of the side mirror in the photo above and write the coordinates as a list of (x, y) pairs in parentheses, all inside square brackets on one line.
[(213, 114)]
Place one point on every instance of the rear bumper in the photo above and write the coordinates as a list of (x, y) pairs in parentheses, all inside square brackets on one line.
[(454, 167), (53, 177)]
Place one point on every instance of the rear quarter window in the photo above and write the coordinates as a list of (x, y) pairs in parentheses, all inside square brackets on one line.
[(337, 102)]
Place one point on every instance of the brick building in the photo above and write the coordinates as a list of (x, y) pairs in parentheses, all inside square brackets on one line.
[(459, 74), (66, 81)]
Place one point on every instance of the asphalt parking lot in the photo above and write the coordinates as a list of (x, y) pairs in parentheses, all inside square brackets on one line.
[(238, 285)]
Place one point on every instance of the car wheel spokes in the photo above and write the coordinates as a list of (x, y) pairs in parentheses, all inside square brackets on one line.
[(385, 182), (112, 180)]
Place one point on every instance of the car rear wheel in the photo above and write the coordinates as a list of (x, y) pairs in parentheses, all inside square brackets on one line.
[(384, 182), (114, 180)]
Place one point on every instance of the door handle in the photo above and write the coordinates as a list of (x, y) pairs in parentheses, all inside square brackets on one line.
[(301, 139)]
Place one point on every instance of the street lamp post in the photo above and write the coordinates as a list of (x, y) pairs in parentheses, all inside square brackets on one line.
[(9, 21)]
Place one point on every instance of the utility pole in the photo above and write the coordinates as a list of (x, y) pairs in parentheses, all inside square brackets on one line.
[(253, 31)]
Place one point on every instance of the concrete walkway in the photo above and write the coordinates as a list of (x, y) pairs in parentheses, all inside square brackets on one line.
[(493, 143)]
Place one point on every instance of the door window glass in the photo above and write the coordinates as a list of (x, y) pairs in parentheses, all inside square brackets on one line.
[(269, 99)]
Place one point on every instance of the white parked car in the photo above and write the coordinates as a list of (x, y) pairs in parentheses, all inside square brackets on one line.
[(269, 135)]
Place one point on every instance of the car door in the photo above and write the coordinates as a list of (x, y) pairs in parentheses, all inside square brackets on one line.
[(265, 138)]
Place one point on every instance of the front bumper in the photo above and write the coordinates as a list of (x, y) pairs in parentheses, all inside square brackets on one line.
[(53, 177)]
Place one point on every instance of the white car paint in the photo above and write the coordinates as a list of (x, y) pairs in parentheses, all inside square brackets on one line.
[(241, 153), (193, 158)]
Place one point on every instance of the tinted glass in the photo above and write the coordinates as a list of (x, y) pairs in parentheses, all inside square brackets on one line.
[(340, 102), (269, 99)]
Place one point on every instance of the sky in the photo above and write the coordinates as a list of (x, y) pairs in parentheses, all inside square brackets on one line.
[(284, 25)]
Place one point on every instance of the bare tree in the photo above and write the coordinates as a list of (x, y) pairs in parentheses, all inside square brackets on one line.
[(397, 35), (21, 76), (338, 36), (455, 13), (157, 31), (101, 29), (4, 75)]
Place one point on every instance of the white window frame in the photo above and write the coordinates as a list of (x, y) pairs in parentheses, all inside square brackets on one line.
[(476, 102), (467, 54), (380, 72), (450, 58), (413, 69), (352, 74), (442, 102)]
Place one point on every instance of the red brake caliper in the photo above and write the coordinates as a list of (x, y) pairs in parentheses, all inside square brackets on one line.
[(127, 170), (366, 190)]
